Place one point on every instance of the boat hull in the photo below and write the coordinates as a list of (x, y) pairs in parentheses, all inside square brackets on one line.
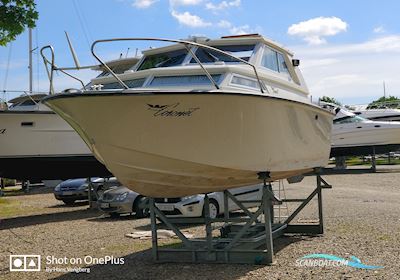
[(52, 167), (365, 138), (41, 145), (165, 144)]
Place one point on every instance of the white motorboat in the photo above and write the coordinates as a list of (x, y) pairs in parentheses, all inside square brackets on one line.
[(387, 114), (35, 143), (378, 111), (204, 116), (354, 135)]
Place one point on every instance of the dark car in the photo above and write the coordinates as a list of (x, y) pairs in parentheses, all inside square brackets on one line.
[(72, 190)]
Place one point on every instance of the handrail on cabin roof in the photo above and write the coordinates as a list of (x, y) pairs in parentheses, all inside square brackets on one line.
[(185, 43)]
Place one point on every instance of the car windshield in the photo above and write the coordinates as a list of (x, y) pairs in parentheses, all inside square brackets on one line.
[(209, 56)]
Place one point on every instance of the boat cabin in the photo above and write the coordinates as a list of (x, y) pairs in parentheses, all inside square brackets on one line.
[(243, 58)]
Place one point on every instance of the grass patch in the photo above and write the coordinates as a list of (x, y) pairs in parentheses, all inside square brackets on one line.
[(10, 208)]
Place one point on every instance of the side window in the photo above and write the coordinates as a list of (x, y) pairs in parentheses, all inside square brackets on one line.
[(269, 59), (27, 103), (282, 64)]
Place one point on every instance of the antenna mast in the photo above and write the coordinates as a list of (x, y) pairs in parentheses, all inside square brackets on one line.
[(30, 62)]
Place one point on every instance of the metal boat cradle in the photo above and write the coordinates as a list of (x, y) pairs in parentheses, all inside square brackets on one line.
[(248, 239)]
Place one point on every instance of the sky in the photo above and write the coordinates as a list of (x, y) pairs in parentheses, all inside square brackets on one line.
[(348, 49)]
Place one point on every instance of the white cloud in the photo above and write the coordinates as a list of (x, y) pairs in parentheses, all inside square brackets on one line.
[(314, 30), (143, 4), (390, 43), (222, 5), (190, 20), (379, 29), (352, 73), (175, 3), (240, 30), (224, 24)]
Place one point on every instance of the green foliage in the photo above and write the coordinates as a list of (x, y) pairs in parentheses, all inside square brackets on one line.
[(385, 102), (15, 16), (330, 100)]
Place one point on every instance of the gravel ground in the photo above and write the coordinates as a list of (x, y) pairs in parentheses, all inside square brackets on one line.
[(361, 219)]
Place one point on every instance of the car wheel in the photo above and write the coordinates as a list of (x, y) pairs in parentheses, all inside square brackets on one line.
[(214, 209), (140, 207), (69, 201)]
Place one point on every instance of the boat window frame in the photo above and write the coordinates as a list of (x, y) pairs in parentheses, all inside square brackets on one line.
[(148, 82), (136, 67), (287, 75), (233, 75), (251, 58)]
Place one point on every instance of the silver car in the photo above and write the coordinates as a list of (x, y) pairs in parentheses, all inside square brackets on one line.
[(121, 200)]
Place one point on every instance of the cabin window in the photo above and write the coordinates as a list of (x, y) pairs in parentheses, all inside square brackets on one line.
[(120, 69), (167, 59), (135, 83), (246, 82), (192, 80), (270, 59), (349, 119), (275, 61), (28, 102), (130, 83), (115, 85), (209, 56), (282, 64)]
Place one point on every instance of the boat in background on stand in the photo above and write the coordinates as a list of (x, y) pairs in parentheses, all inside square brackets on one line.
[(36, 144)]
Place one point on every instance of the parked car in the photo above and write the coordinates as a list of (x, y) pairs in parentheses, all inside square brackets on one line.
[(193, 206), (121, 200), (72, 190)]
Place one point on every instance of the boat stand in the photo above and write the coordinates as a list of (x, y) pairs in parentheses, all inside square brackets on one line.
[(247, 239)]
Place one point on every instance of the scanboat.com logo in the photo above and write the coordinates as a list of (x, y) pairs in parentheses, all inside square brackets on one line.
[(171, 110), (332, 260)]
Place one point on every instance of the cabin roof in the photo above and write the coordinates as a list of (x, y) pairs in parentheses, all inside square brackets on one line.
[(121, 61), (225, 40)]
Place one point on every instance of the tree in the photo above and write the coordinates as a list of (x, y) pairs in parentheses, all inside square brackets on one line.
[(385, 102), (328, 99), (15, 16)]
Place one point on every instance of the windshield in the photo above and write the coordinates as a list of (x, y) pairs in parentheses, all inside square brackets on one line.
[(166, 59), (350, 119), (209, 56)]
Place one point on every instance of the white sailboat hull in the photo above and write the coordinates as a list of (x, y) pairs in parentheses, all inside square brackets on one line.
[(170, 144)]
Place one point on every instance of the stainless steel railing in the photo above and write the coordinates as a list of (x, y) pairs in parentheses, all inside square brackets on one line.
[(51, 66), (51, 63), (186, 44)]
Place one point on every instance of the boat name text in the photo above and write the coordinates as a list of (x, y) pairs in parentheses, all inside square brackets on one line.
[(171, 110), (3, 131)]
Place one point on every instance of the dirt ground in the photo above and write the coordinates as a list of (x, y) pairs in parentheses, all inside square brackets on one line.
[(361, 215)]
